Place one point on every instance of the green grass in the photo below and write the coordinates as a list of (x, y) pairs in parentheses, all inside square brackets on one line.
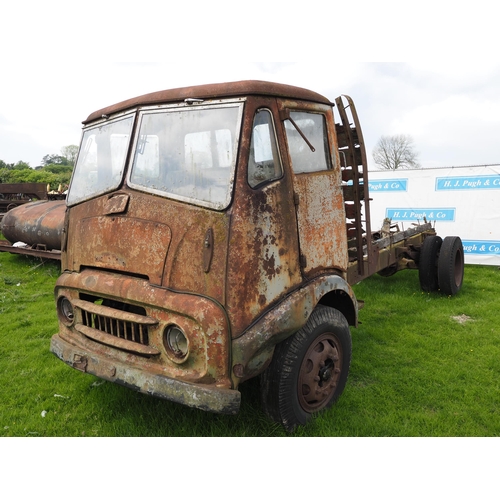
[(416, 370)]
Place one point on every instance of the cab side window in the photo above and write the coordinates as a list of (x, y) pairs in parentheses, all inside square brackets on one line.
[(264, 162), (313, 127)]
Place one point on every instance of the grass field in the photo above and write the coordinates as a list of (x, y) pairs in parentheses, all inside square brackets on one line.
[(423, 365)]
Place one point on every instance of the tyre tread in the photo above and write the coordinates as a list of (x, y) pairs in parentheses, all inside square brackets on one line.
[(278, 382), (427, 267), (451, 256)]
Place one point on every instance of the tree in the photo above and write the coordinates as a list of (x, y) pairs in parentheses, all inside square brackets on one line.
[(67, 157), (21, 165), (395, 152), (70, 152), (54, 160), (56, 170)]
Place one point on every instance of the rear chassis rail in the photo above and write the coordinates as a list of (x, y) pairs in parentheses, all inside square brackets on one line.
[(397, 251), (36, 251)]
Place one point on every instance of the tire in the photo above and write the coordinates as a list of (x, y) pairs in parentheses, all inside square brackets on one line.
[(451, 265), (309, 370), (428, 263)]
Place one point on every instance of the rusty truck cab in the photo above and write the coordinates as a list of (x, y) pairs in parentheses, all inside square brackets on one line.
[(204, 225)]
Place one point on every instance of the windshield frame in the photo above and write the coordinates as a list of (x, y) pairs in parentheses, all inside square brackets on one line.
[(105, 121), (186, 108)]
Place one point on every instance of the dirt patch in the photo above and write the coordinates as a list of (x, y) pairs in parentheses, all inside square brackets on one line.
[(462, 318)]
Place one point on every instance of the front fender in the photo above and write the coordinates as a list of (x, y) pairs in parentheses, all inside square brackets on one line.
[(253, 350)]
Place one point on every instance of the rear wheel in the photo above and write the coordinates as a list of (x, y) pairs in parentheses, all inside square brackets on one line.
[(309, 370), (428, 263), (451, 265)]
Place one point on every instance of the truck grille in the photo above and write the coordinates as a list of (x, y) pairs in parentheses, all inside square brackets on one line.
[(116, 324), (118, 328)]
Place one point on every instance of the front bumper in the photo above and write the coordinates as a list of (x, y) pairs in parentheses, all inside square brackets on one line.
[(204, 397)]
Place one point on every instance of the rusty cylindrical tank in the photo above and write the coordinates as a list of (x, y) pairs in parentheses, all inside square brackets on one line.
[(36, 223)]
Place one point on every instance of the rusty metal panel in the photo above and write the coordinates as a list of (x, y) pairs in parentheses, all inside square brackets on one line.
[(321, 221), (212, 91), (24, 191), (263, 261), (100, 298), (252, 351), (263, 265), (34, 251), (208, 397), (319, 202), (191, 265), (161, 239), (123, 244), (37, 223)]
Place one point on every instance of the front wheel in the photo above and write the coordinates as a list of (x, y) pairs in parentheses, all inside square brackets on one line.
[(309, 370)]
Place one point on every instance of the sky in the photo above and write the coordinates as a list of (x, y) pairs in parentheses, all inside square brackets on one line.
[(451, 109), (60, 61)]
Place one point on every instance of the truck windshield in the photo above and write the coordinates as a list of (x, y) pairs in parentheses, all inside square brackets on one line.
[(188, 153), (101, 160)]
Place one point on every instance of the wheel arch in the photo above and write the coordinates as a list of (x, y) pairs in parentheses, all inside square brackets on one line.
[(339, 299), (252, 351)]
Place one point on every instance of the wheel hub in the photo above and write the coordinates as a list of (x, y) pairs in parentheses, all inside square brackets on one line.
[(319, 373), (325, 373)]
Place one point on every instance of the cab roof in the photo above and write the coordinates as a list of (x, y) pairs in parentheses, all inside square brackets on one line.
[(212, 91)]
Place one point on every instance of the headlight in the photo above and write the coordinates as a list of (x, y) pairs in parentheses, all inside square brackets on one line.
[(65, 311), (176, 343)]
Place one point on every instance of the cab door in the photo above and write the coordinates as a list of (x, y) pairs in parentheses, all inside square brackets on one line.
[(317, 186), (263, 257)]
